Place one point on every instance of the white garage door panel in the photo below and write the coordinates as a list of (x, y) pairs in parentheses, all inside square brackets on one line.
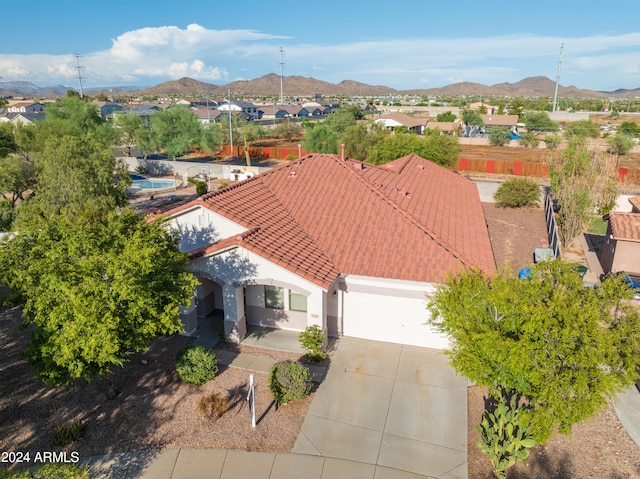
[(391, 319)]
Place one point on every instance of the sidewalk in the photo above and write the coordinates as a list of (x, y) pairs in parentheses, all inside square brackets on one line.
[(234, 464)]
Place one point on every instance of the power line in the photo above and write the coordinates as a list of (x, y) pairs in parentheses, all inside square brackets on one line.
[(555, 95), (79, 74), (281, 76)]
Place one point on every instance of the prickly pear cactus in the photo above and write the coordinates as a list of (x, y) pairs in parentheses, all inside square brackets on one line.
[(505, 436)]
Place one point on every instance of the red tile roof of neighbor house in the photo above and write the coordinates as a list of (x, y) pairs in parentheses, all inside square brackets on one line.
[(625, 226), (321, 216), (635, 203)]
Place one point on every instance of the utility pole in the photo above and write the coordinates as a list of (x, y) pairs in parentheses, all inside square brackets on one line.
[(281, 76), (230, 127), (555, 96), (79, 74)]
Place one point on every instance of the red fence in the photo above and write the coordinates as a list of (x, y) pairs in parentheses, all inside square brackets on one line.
[(497, 167), (527, 168)]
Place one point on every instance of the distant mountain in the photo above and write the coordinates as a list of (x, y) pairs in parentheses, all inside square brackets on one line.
[(184, 86), (25, 88), (529, 87), (298, 86)]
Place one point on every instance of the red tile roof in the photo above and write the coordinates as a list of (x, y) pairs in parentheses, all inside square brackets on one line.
[(321, 216), (625, 226)]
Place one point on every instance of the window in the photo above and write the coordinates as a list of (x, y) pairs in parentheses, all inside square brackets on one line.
[(274, 297), (297, 302)]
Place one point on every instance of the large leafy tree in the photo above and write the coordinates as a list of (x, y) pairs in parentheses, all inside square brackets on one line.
[(361, 138), (320, 139), (95, 288), (539, 121), (70, 172), (440, 149), (175, 130), (129, 128), (565, 347)]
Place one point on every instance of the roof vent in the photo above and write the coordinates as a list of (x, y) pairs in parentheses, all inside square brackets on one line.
[(293, 173)]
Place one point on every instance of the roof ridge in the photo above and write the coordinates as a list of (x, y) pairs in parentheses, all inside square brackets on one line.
[(440, 241)]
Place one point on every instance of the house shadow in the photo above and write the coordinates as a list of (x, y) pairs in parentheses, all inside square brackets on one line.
[(595, 244)]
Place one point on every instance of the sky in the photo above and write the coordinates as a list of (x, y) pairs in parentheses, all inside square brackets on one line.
[(402, 45)]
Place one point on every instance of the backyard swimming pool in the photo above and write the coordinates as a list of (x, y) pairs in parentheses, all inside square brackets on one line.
[(152, 184), (142, 182)]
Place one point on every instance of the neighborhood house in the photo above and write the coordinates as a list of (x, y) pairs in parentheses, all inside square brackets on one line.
[(353, 248)]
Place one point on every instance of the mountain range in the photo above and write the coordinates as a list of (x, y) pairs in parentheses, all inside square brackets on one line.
[(298, 86)]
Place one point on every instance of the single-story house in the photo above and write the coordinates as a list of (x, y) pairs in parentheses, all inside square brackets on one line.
[(445, 127), (26, 107), (353, 248), (207, 115), (621, 251), (244, 108), (395, 120), (510, 121)]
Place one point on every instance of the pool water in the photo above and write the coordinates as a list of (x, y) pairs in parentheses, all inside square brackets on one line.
[(152, 184)]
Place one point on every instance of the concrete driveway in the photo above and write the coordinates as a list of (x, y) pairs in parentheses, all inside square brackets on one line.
[(401, 409)]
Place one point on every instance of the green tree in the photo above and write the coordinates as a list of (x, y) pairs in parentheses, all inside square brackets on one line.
[(175, 130), (17, 177), (552, 141), (565, 347), (340, 120), (7, 140), (72, 171), (95, 288), (539, 121), (472, 118), (620, 144), (447, 116), (499, 135), (360, 139), (630, 128), (129, 127), (440, 149), (529, 140), (582, 180), (288, 130), (211, 138), (320, 139), (583, 129)]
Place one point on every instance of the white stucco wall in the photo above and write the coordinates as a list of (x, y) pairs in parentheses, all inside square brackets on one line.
[(200, 226), (389, 310), (241, 267)]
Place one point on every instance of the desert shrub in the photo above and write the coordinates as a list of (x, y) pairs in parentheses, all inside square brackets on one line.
[(68, 433), (517, 193), (289, 380), (499, 136), (620, 144), (201, 186), (311, 339), (214, 405), (196, 364), (552, 141), (529, 140)]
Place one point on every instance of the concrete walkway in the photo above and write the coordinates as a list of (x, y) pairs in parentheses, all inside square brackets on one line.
[(383, 411), (627, 407)]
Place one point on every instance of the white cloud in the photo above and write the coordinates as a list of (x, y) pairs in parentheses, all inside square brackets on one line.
[(155, 54)]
